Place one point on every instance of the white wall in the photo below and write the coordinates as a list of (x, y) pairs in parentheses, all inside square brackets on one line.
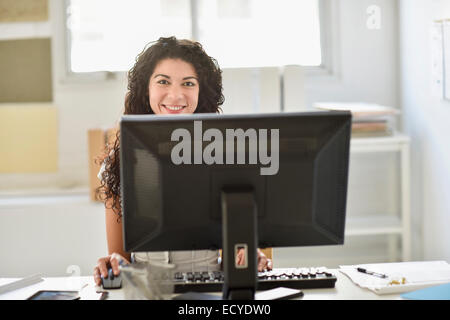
[(48, 234), (367, 71), (426, 119)]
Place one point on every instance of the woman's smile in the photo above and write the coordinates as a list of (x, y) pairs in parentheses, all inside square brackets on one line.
[(173, 108)]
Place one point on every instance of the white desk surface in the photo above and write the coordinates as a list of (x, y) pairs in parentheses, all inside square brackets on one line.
[(345, 289)]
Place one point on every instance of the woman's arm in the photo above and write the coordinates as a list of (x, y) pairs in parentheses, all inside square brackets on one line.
[(115, 246), (114, 234)]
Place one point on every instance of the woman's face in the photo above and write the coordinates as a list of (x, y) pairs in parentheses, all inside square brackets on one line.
[(173, 87)]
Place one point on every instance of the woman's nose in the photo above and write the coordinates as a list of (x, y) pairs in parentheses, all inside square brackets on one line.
[(175, 92)]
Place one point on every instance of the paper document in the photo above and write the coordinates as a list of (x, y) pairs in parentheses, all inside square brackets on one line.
[(401, 276)]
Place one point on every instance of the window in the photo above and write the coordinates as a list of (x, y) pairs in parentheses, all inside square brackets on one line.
[(258, 33), (105, 35)]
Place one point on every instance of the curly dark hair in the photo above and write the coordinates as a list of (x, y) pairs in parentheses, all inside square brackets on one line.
[(137, 100)]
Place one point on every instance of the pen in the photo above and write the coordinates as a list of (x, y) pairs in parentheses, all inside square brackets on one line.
[(372, 273)]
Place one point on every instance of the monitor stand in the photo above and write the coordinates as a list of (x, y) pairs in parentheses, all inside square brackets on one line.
[(239, 233), (239, 213)]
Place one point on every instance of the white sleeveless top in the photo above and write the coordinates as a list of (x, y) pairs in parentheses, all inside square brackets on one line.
[(184, 261)]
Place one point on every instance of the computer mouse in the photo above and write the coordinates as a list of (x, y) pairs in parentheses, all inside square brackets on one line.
[(112, 281)]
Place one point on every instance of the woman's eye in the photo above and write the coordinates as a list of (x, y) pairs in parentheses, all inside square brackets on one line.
[(189, 84), (163, 81)]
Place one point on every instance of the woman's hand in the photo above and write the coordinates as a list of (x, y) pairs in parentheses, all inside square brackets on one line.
[(263, 262), (103, 264)]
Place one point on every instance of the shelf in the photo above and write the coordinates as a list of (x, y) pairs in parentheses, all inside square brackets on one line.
[(378, 144), (400, 224), (373, 225)]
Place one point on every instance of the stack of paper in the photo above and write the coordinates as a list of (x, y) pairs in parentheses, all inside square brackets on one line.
[(368, 119), (401, 276)]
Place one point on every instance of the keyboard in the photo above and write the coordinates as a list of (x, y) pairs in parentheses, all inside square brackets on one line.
[(295, 278)]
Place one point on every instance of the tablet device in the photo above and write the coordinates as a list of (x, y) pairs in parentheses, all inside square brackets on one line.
[(55, 295)]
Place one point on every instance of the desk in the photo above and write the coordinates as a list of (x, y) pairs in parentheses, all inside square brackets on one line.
[(344, 290)]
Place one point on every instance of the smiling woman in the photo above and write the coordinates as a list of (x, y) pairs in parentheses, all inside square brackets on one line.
[(170, 76)]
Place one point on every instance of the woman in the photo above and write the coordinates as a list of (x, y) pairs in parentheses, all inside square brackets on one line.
[(170, 77)]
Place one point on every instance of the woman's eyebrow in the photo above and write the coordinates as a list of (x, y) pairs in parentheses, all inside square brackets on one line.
[(161, 75), (168, 77), (191, 77)]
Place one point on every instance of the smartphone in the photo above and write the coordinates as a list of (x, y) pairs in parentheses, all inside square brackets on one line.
[(55, 295)]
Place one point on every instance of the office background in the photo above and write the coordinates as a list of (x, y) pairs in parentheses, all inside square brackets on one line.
[(49, 225)]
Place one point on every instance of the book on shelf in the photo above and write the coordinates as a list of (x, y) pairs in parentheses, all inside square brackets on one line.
[(368, 119)]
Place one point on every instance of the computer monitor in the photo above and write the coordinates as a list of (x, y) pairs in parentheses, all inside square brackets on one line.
[(207, 181)]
